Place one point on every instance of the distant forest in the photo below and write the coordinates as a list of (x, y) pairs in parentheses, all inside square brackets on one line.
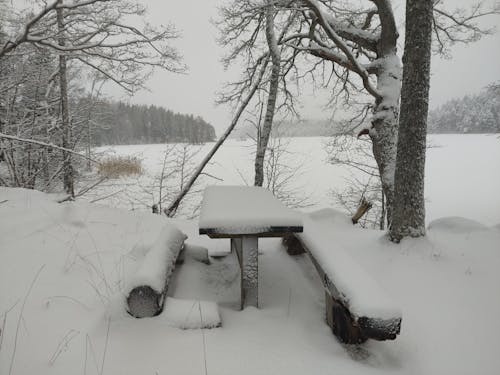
[(121, 123), (471, 114)]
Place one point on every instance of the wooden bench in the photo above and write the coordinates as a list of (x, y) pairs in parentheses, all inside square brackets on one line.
[(357, 308)]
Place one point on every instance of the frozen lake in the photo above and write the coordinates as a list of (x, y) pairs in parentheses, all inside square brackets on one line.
[(462, 174)]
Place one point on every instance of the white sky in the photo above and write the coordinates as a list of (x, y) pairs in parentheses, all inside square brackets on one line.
[(471, 68)]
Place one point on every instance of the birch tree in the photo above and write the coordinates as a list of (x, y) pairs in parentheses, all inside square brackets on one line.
[(253, 32), (263, 137), (68, 175)]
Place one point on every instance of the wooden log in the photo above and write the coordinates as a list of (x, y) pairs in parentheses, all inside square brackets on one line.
[(363, 208), (143, 301), (147, 289)]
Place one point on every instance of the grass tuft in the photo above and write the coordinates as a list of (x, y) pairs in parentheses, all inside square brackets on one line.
[(120, 166)]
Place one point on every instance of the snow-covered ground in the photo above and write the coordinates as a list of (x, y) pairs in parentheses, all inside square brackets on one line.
[(462, 177), (63, 269)]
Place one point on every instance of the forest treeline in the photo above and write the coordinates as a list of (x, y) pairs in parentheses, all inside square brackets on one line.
[(471, 114), (122, 123)]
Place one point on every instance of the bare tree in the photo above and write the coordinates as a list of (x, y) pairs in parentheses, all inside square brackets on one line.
[(361, 44), (253, 32), (68, 176), (92, 36), (173, 206), (362, 182)]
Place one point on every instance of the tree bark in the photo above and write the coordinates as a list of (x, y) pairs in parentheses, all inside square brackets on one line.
[(68, 180), (263, 137), (409, 204), (384, 132)]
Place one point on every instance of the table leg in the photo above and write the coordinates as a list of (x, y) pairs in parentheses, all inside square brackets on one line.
[(236, 246), (249, 271)]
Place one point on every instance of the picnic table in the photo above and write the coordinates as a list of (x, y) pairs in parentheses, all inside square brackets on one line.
[(243, 214)]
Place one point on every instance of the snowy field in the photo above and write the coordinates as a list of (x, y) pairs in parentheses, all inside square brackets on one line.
[(64, 267), (462, 174)]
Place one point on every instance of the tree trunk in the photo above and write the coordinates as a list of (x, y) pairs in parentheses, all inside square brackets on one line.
[(68, 180), (263, 137), (384, 151), (409, 205), (384, 132)]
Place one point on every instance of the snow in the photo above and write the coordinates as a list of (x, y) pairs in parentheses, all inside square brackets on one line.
[(159, 262), (74, 319), (191, 314), (244, 210), (355, 287), (448, 192), (456, 224)]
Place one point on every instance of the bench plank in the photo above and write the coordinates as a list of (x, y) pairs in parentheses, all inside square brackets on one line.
[(349, 327)]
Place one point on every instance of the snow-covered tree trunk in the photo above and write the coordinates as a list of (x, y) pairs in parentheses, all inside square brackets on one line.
[(68, 180), (409, 205), (384, 131), (263, 138)]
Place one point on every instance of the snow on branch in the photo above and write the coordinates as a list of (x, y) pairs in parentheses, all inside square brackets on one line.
[(361, 37), (354, 64), (96, 34), (47, 145)]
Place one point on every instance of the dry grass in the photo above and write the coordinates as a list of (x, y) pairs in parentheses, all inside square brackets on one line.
[(120, 166)]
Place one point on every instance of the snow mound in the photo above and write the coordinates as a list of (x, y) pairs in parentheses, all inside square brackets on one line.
[(191, 314), (331, 216), (457, 224)]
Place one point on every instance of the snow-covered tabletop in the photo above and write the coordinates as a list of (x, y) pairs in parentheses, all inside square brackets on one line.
[(229, 211), (243, 214)]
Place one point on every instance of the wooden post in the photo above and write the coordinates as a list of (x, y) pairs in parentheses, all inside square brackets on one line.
[(247, 251), (250, 271), (236, 247)]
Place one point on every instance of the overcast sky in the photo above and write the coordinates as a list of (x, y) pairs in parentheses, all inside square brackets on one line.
[(471, 67)]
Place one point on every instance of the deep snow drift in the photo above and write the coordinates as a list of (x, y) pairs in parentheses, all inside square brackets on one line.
[(63, 268)]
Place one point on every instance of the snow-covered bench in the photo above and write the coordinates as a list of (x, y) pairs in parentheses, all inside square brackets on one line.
[(147, 288), (357, 308)]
